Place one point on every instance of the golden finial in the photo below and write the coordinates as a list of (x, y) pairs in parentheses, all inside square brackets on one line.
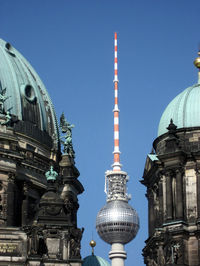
[(92, 244), (197, 64)]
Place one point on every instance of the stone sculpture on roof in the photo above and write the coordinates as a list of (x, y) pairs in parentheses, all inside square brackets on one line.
[(66, 128)]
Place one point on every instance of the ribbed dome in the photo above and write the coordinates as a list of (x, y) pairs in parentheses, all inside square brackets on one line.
[(94, 261), (27, 96), (184, 109)]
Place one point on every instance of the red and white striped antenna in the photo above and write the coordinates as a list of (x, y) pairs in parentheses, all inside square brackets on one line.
[(116, 165)]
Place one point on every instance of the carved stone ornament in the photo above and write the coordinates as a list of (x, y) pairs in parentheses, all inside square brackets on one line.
[(36, 241), (53, 209), (151, 262), (75, 242), (51, 174), (68, 204), (11, 178), (173, 251)]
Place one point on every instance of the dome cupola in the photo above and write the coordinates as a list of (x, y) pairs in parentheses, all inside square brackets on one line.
[(93, 260), (184, 109), (26, 97)]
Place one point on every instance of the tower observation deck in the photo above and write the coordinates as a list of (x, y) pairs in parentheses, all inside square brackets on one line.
[(117, 222)]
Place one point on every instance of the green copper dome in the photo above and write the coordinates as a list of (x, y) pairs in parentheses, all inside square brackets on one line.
[(27, 97), (184, 110), (94, 261)]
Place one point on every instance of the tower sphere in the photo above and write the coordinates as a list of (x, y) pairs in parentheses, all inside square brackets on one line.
[(117, 222)]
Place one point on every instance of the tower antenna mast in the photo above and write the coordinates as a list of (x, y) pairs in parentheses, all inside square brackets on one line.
[(116, 165)]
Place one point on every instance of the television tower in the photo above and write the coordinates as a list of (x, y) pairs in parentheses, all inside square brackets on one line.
[(117, 222)]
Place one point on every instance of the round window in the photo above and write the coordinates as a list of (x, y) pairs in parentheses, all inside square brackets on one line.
[(28, 92)]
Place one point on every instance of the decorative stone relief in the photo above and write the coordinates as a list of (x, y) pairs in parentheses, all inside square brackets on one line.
[(2, 203), (173, 250)]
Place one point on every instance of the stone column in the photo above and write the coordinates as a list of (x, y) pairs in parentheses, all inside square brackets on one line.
[(169, 199), (66, 245), (10, 200), (179, 194), (117, 254), (25, 204), (151, 211), (198, 193), (161, 211), (156, 205)]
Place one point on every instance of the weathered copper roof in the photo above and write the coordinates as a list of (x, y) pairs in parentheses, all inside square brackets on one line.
[(184, 110), (28, 98), (95, 261)]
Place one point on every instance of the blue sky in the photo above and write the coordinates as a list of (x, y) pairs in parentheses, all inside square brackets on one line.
[(70, 45)]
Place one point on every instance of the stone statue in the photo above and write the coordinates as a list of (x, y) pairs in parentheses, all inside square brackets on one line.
[(51, 174), (66, 128), (75, 243), (8, 120), (69, 204), (161, 257), (34, 241), (3, 98)]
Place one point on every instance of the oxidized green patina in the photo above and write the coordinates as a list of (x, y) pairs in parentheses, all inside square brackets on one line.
[(184, 110), (25, 95), (51, 174), (66, 128)]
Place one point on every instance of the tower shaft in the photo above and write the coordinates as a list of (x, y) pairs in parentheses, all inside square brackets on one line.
[(117, 254)]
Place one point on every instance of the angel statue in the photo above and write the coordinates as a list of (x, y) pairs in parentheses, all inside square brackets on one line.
[(8, 120), (66, 128), (3, 98)]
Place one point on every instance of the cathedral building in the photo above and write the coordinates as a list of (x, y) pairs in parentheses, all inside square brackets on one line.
[(38, 183), (172, 179)]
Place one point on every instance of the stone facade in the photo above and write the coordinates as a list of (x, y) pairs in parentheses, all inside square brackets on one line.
[(38, 221), (172, 178)]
